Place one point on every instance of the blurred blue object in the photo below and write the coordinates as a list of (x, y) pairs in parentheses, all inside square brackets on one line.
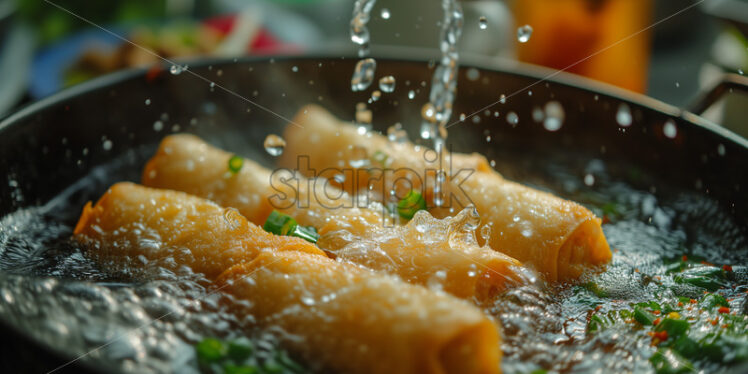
[(49, 65)]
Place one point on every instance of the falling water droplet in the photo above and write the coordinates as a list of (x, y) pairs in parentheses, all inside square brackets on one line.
[(740, 71), (411, 94), (721, 150), (670, 129), (482, 22), (175, 69), (537, 114), (472, 74), (385, 13), (295, 69), (623, 116), (512, 118), (363, 117), (428, 112), (396, 134), (158, 126), (363, 74), (147, 101), (589, 180), (524, 33), (375, 95), (107, 145), (274, 145), (387, 84), (428, 130), (554, 116), (462, 117), (339, 178)]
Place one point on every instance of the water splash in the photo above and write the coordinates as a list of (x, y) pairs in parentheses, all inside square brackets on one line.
[(274, 145), (524, 33)]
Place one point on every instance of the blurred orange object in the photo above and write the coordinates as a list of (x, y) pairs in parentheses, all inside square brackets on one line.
[(572, 32)]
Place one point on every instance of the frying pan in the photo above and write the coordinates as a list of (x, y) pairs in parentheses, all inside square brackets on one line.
[(55, 142)]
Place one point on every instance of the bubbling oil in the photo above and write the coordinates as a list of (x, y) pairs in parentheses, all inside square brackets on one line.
[(150, 314)]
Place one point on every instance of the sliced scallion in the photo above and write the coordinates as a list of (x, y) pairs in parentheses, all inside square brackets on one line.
[(282, 224), (410, 204), (235, 164)]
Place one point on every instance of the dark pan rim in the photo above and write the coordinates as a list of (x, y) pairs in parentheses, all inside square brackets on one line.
[(535, 73)]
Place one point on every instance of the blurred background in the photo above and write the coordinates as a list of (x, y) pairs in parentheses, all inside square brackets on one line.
[(44, 49)]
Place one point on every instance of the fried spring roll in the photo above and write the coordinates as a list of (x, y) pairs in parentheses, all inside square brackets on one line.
[(357, 321), (348, 318), (137, 221), (460, 267), (558, 237)]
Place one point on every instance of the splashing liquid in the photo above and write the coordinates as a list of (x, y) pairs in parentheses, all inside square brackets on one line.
[(438, 110), (363, 75)]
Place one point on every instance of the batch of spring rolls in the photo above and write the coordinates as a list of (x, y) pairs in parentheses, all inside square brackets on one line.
[(373, 295)]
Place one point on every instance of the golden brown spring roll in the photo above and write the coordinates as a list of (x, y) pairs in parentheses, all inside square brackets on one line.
[(348, 318), (558, 237), (357, 321), (132, 220), (460, 267)]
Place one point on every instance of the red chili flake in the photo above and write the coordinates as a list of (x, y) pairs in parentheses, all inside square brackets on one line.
[(727, 268), (723, 310), (725, 326), (606, 220), (662, 335), (692, 301), (658, 277), (680, 303), (636, 270), (656, 322), (597, 308), (684, 258), (714, 321), (651, 333), (656, 312)]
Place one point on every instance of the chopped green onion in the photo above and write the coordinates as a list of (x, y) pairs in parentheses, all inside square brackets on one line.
[(210, 350), (240, 349), (235, 164), (410, 204), (282, 224), (596, 289), (307, 233), (279, 223), (674, 327), (711, 300), (667, 361), (643, 317), (243, 369)]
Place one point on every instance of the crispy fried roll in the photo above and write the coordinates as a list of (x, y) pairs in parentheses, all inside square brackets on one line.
[(558, 237), (360, 235), (357, 321), (136, 221)]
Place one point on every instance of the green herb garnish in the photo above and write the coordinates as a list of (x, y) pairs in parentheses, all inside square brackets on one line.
[(210, 350), (240, 356), (235, 164), (282, 224), (410, 204)]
